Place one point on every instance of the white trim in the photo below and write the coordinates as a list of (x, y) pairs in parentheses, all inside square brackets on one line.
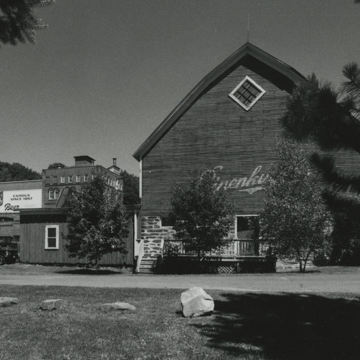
[(247, 107), (140, 179), (57, 237)]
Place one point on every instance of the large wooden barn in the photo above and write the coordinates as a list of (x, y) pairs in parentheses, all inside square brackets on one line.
[(229, 123)]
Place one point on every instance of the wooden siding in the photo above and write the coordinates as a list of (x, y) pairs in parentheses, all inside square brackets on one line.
[(215, 132), (32, 244)]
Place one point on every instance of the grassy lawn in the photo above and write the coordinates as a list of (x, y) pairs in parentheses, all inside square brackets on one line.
[(244, 326)]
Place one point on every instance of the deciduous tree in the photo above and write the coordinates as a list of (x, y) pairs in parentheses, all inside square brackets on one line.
[(295, 218), (17, 172), (131, 188), (97, 222), (56, 165), (202, 215)]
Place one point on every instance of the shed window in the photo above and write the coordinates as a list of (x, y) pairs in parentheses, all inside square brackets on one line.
[(52, 237), (70, 178), (247, 93), (78, 178)]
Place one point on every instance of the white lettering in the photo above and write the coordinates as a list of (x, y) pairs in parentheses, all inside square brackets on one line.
[(244, 182)]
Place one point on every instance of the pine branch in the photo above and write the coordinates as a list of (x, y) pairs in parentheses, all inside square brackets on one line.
[(338, 179)]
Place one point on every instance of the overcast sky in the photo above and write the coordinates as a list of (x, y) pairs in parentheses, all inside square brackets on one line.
[(104, 74)]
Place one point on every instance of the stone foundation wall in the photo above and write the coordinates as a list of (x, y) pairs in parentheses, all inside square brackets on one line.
[(152, 234)]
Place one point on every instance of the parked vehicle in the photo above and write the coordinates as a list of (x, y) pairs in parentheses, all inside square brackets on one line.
[(8, 253)]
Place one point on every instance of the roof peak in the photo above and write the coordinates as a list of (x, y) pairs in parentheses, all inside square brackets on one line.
[(247, 49)]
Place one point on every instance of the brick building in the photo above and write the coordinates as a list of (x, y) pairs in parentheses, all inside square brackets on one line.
[(56, 181)]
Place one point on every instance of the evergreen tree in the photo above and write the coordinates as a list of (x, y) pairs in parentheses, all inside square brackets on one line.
[(319, 114), (18, 21), (294, 220), (202, 215), (97, 222)]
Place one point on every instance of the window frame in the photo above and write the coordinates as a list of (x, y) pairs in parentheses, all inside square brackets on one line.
[(70, 179), (56, 247), (56, 193), (257, 98), (62, 179), (51, 194), (77, 178)]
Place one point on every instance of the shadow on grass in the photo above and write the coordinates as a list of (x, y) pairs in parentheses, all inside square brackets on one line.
[(88, 272), (285, 326)]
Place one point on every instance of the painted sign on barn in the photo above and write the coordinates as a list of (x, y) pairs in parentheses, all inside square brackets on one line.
[(248, 184)]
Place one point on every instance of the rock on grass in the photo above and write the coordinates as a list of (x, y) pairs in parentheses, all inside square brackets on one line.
[(8, 301), (117, 306)]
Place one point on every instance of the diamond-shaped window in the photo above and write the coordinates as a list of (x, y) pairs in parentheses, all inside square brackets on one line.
[(247, 93)]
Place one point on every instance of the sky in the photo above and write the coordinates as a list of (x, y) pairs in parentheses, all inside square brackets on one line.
[(105, 74)]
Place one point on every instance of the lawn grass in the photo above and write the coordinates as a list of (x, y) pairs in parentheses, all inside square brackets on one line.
[(244, 326)]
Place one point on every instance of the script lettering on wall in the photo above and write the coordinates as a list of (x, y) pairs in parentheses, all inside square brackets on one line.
[(249, 184)]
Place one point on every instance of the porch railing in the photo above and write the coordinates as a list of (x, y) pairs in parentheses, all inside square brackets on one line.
[(232, 248)]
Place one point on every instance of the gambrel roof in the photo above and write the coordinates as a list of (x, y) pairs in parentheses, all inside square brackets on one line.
[(250, 56)]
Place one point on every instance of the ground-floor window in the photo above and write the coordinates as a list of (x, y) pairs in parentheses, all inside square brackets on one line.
[(247, 226), (52, 237), (247, 234)]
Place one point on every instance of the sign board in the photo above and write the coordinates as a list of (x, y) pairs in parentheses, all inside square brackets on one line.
[(14, 200)]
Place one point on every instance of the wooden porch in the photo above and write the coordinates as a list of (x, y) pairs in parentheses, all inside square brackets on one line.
[(233, 248), (236, 256)]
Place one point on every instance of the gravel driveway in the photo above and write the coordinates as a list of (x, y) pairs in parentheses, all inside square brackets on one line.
[(329, 279)]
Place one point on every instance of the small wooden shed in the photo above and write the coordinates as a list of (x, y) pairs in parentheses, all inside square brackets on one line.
[(42, 242)]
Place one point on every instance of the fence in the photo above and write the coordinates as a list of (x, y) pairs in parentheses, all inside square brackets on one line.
[(232, 248)]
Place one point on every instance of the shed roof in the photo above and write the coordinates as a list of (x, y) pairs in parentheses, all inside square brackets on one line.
[(249, 55)]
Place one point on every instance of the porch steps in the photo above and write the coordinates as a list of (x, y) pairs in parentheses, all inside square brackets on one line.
[(147, 265)]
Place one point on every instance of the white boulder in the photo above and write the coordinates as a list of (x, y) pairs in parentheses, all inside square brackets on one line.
[(196, 302)]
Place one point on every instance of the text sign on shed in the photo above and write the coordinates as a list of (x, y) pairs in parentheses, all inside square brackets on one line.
[(14, 200)]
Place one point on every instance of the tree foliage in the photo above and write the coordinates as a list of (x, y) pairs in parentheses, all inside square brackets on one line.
[(131, 188), (295, 218), (56, 165), (331, 119), (18, 21), (97, 222), (202, 215), (17, 172)]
